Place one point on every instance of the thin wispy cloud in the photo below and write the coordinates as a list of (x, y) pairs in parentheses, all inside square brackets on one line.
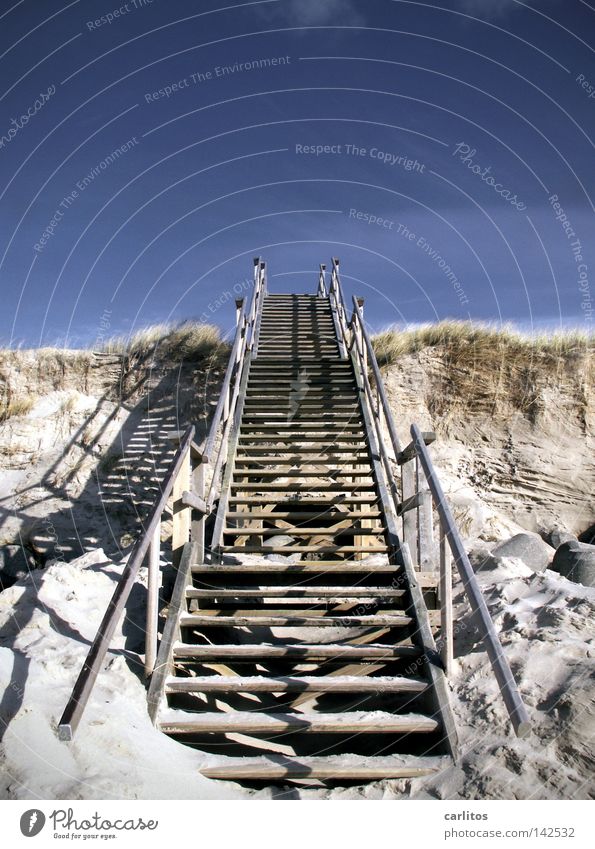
[(315, 12), (503, 8)]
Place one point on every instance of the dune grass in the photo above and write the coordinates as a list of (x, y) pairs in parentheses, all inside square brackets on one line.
[(482, 368), (16, 407), (186, 341), (480, 339)]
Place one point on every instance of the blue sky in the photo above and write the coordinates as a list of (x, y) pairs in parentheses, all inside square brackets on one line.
[(148, 150)]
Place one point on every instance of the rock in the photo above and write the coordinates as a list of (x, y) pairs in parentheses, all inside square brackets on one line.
[(15, 563), (558, 536), (530, 548), (481, 558), (278, 540), (588, 535), (576, 561)]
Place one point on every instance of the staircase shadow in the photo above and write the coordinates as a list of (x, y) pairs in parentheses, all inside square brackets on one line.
[(109, 509)]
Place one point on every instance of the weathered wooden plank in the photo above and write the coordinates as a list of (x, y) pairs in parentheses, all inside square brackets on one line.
[(190, 499), (409, 452), (360, 592), (425, 524), (303, 683), (181, 513), (171, 632), (350, 722), (446, 614), (408, 489), (326, 651), (296, 530), (195, 620), (315, 768), (347, 566), (410, 503), (153, 587)]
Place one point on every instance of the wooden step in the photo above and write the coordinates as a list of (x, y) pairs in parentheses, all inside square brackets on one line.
[(293, 345), (304, 467), (310, 397), (342, 500), (299, 607), (325, 451), (302, 652), (286, 406), (276, 400), (307, 468), (301, 416), (302, 684), (344, 768), (297, 336), (279, 380), (285, 365), (314, 425), (199, 620), (350, 567), (350, 441), (357, 592), (303, 376), (274, 349), (295, 339), (267, 487), (327, 548), (331, 516), (295, 530), (297, 433), (349, 722), (319, 460), (332, 473)]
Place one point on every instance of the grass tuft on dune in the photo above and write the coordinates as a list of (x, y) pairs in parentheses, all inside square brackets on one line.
[(483, 368), (188, 340)]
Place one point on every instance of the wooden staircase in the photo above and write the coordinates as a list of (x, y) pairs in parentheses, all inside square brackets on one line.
[(297, 643), (300, 650)]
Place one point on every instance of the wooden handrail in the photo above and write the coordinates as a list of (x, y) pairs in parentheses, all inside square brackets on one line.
[(373, 362), (92, 665), (364, 357), (246, 340), (508, 688), (213, 430)]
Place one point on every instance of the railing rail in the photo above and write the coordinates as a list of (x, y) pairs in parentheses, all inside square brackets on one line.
[(245, 345), (510, 694), (420, 490), (84, 684)]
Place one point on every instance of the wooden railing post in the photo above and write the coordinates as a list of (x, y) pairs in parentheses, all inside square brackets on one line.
[(181, 513), (408, 490), (239, 305), (446, 617), (322, 293), (360, 327), (153, 587), (198, 525), (425, 522)]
